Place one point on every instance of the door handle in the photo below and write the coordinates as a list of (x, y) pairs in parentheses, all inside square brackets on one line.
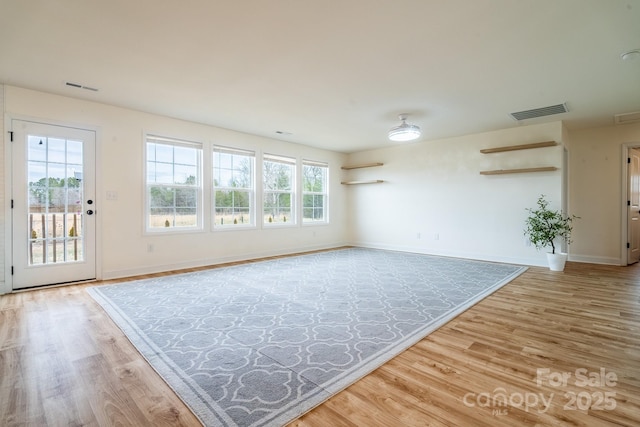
[(89, 212)]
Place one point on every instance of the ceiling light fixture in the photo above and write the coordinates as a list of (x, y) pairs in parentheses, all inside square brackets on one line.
[(631, 55), (405, 131)]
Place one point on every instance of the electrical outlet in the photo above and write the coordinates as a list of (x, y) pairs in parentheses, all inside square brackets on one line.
[(436, 236), (418, 236), (151, 247)]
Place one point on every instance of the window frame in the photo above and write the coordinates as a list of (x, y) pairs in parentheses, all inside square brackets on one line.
[(292, 162), (251, 190), (324, 193), (197, 185)]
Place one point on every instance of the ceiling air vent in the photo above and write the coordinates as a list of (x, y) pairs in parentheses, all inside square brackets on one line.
[(627, 118), (79, 86), (540, 112)]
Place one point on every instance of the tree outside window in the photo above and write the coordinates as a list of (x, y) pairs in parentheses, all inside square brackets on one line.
[(233, 182), (173, 184), (314, 192), (278, 175)]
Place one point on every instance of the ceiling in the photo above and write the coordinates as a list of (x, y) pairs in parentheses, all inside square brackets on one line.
[(333, 74)]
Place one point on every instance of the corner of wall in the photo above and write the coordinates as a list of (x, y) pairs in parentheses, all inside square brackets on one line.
[(565, 133)]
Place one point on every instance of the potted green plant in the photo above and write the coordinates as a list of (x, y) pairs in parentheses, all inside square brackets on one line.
[(545, 226)]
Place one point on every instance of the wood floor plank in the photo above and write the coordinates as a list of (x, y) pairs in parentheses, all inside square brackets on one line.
[(64, 362), (111, 402)]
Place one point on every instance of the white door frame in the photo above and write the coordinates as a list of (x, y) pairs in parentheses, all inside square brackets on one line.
[(624, 220), (8, 188), (8, 173)]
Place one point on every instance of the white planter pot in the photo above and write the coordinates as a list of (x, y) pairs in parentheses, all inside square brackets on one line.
[(556, 261)]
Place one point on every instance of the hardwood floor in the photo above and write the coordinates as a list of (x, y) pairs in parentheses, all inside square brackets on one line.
[(63, 362)]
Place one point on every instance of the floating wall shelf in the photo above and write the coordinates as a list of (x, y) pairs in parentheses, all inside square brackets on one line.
[(373, 181), (365, 165), (525, 170), (519, 147), (360, 166)]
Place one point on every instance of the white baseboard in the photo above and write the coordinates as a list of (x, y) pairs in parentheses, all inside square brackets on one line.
[(542, 262), (133, 272), (595, 260), (539, 262)]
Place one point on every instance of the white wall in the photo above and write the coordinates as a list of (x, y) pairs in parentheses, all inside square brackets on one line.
[(434, 189), (123, 247), (595, 190)]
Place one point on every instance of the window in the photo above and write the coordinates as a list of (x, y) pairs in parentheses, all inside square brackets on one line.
[(233, 183), (278, 176), (174, 185), (314, 192)]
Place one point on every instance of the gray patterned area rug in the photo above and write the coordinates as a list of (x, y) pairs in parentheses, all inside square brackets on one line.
[(259, 344)]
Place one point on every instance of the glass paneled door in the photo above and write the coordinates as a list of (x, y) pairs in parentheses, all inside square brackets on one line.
[(54, 205)]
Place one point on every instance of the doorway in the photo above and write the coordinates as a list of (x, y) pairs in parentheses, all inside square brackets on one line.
[(53, 204), (632, 220)]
